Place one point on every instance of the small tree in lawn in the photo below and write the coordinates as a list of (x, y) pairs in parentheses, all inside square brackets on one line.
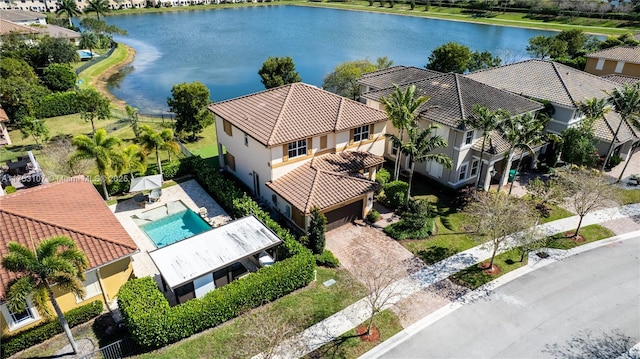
[(529, 240), (587, 190), (382, 288), (497, 215), (189, 102), (31, 126), (545, 193), (93, 106), (317, 229), (278, 71)]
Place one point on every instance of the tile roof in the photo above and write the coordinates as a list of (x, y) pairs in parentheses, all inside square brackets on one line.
[(396, 75), (452, 97), (3, 115), (498, 144), (7, 27), (316, 184), (21, 15), (546, 80), (58, 31), (291, 112), (629, 54), (622, 79), (73, 208), (604, 129)]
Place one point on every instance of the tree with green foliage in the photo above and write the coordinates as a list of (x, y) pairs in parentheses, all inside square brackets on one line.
[(20, 88), (100, 7), (626, 39), (59, 77), (383, 62), (89, 40), (483, 60), (575, 40), (131, 160), (54, 261), (189, 102), (546, 47), (450, 57), (317, 229), (102, 148), (152, 140), (100, 27), (93, 106), (132, 114), (343, 80), (579, 144), (52, 50), (532, 135), (69, 8), (31, 126), (626, 102), (278, 71), (402, 109)]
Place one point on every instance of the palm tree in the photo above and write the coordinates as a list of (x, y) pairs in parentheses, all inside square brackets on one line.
[(102, 149), (626, 102), (152, 140), (531, 136), (487, 121), (100, 7), (56, 260), (131, 159), (595, 109), (418, 148), (88, 40), (69, 7), (402, 109)]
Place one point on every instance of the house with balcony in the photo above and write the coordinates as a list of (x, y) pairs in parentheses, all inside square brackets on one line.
[(297, 146), (563, 87), (74, 209), (451, 99), (619, 60)]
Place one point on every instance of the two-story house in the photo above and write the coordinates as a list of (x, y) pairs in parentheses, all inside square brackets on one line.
[(564, 88), (451, 99), (620, 60), (297, 146)]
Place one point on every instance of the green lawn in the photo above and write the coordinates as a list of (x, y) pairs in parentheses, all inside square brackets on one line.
[(556, 213), (350, 345), (300, 309), (592, 233), (629, 196), (474, 276), (87, 76)]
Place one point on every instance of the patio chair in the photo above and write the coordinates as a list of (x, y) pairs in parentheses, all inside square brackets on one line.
[(155, 195)]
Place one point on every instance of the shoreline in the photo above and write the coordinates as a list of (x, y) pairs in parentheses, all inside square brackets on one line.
[(100, 82)]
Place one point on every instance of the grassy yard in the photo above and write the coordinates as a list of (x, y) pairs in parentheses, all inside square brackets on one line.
[(89, 75), (590, 233), (350, 345), (300, 309), (556, 213), (474, 276), (629, 196)]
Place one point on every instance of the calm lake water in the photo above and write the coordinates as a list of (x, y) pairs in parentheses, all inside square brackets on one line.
[(225, 48)]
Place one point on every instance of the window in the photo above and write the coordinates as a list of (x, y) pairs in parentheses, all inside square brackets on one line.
[(468, 137), (228, 129), (361, 133), (91, 286), (394, 150), (474, 167), (20, 319), (246, 140), (323, 142), (600, 64), (23, 316), (619, 67), (230, 161), (297, 148), (463, 172)]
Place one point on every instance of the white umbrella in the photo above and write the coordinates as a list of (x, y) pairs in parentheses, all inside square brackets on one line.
[(145, 183)]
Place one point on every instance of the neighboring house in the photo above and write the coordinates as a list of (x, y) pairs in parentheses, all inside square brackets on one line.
[(621, 79), (7, 27), (623, 60), (60, 33), (74, 209), (562, 86), (452, 98), (5, 140), (398, 75), (26, 17), (195, 266), (271, 139)]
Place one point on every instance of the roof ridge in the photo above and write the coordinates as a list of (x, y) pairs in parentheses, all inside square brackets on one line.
[(564, 85), (280, 115), (313, 186), (381, 72), (460, 100), (338, 115), (64, 227)]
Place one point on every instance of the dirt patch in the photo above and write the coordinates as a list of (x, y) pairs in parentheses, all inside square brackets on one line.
[(361, 331), (577, 238), (493, 270), (100, 81)]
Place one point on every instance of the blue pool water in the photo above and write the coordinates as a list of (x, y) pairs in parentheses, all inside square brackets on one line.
[(175, 227)]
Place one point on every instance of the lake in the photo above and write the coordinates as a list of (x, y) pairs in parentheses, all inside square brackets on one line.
[(224, 48)]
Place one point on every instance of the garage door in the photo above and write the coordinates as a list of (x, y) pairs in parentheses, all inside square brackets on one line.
[(344, 215)]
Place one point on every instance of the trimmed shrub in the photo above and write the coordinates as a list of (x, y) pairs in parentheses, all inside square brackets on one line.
[(613, 161), (44, 331), (57, 104), (400, 230), (383, 176), (373, 216), (327, 259), (10, 189), (395, 193)]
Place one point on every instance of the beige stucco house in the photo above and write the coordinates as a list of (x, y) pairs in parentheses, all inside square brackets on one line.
[(622, 60), (298, 146)]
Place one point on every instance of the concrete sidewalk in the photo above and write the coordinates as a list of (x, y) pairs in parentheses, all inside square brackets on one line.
[(350, 317)]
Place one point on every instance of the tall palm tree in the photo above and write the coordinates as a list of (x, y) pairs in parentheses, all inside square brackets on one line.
[(402, 109), (69, 7), (130, 160), (419, 145), (100, 7), (531, 136), (485, 120), (152, 140), (102, 149), (56, 260), (626, 102), (89, 40)]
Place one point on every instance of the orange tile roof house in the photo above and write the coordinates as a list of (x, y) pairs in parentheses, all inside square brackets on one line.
[(621, 60), (75, 209), (288, 144)]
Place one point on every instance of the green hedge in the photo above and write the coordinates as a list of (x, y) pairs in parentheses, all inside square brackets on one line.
[(153, 323), (57, 104), (44, 331)]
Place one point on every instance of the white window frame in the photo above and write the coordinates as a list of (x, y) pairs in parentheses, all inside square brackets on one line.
[(468, 138), (600, 64), (9, 318), (619, 67), (361, 133), (394, 150), (462, 172), (475, 166), (91, 286), (297, 148)]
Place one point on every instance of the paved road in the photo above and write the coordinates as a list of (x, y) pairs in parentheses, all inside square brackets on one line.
[(598, 290)]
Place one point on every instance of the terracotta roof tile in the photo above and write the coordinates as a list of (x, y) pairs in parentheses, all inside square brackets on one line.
[(327, 180), (7, 27), (452, 97), (546, 80), (396, 75), (73, 209), (630, 54), (295, 111), (621, 79)]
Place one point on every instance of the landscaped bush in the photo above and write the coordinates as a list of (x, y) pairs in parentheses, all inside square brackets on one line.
[(613, 161), (115, 185), (327, 259), (395, 193), (57, 104), (383, 176), (417, 222), (153, 323), (373, 216), (10, 189), (44, 331), (400, 230)]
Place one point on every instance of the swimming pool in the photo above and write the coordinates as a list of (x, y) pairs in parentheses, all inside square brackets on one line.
[(175, 227)]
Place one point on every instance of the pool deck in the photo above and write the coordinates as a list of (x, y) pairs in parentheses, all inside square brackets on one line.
[(190, 193)]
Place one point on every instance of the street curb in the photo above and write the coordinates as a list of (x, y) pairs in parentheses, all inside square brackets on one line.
[(405, 334)]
